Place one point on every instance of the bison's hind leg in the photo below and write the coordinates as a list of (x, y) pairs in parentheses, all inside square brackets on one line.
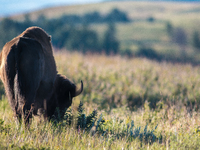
[(29, 72), (27, 111)]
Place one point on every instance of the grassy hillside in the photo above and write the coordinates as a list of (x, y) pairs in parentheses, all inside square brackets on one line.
[(136, 10), (144, 105), (179, 13), (140, 31)]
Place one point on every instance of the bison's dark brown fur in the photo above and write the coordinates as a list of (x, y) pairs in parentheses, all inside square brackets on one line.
[(29, 75), (64, 91)]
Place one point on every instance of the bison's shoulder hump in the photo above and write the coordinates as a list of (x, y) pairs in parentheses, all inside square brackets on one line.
[(23, 41), (29, 44)]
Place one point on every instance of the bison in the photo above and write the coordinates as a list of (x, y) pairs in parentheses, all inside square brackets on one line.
[(28, 72)]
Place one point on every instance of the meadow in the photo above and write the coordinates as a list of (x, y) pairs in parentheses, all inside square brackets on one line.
[(126, 104)]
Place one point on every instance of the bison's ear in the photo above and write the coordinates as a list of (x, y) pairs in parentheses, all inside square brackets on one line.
[(79, 91)]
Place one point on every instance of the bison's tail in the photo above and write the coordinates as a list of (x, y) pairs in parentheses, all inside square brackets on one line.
[(18, 88)]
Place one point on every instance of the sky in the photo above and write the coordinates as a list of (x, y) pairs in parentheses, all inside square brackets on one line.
[(10, 7)]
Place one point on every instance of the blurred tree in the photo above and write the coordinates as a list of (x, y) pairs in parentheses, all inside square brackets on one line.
[(42, 21), (116, 16), (82, 39), (180, 37), (147, 52), (94, 17), (71, 19), (60, 36), (196, 40), (27, 19), (110, 42), (151, 19), (170, 29), (8, 30)]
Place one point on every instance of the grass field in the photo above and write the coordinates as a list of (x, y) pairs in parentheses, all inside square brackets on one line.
[(128, 103), (140, 104)]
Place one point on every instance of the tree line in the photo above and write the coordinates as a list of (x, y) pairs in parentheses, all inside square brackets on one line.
[(114, 15), (71, 31)]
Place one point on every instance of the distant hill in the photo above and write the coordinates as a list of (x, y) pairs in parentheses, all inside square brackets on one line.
[(23, 6), (135, 9)]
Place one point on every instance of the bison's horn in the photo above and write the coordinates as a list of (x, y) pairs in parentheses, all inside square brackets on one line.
[(79, 90)]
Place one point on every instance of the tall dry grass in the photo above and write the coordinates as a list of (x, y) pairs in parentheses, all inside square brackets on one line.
[(140, 104)]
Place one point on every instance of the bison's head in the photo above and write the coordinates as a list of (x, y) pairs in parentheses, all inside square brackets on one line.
[(64, 91)]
